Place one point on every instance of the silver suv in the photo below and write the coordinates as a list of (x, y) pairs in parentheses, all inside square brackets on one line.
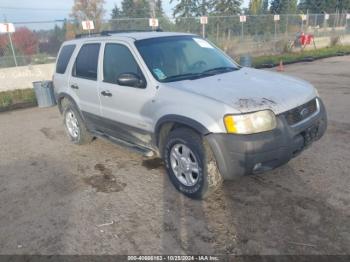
[(178, 97)]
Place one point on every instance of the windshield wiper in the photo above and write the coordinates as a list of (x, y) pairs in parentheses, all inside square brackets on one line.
[(206, 73), (218, 70), (180, 77)]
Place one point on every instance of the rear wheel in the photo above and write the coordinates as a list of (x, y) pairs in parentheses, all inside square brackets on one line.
[(75, 127), (190, 164)]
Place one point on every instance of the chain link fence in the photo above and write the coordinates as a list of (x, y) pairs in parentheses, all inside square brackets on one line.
[(39, 42)]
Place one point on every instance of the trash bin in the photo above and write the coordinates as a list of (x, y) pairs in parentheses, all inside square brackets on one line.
[(44, 93), (245, 60)]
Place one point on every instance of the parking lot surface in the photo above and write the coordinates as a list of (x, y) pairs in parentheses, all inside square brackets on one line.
[(59, 198)]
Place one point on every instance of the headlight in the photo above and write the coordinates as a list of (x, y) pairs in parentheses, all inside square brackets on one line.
[(250, 123)]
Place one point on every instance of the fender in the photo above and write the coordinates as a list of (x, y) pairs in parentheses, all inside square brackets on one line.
[(179, 120), (70, 98)]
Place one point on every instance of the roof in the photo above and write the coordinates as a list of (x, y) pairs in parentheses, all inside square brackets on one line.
[(129, 36), (146, 35)]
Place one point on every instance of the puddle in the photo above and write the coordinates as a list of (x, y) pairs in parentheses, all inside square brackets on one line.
[(154, 163), (106, 182)]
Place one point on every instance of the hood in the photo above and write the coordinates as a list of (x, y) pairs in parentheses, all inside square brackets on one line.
[(248, 90)]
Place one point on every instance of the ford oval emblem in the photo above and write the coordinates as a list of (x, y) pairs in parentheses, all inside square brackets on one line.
[(304, 112)]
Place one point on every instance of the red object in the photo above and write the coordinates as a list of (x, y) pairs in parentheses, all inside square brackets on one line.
[(306, 39), (24, 40)]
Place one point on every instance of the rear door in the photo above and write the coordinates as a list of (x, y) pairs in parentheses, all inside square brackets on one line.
[(84, 81), (61, 75), (124, 108)]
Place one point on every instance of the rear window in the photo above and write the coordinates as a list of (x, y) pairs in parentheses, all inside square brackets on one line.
[(86, 62), (64, 58)]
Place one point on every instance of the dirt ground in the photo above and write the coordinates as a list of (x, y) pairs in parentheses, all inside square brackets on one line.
[(58, 198)]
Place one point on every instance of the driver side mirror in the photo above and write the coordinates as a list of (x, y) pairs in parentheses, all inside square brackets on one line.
[(131, 79)]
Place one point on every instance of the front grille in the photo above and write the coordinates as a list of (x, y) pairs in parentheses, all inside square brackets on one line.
[(300, 113)]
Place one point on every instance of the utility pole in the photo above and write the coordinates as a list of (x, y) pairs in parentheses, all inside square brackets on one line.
[(10, 39)]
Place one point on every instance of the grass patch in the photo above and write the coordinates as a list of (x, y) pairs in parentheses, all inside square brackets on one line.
[(18, 98), (306, 55)]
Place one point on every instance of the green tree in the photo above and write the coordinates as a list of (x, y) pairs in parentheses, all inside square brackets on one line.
[(116, 12), (226, 7), (131, 9), (186, 8), (135, 8), (328, 6), (283, 6), (255, 7), (265, 6), (205, 7)]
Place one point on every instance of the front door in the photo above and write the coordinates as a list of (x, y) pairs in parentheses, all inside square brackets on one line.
[(125, 109)]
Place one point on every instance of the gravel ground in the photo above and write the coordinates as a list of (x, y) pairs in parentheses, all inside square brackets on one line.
[(59, 198)]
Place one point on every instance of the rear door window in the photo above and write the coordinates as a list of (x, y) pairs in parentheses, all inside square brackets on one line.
[(87, 62), (64, 58)]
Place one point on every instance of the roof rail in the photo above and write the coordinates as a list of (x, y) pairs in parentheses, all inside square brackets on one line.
[(110, 32), (87, 35)]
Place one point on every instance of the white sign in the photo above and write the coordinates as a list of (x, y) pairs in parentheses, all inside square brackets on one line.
[(276, 17), (153, 22), (7, 28), (347, 16), (303, 17), (242, 18), (204, 20), (326, 16), (88, 25)]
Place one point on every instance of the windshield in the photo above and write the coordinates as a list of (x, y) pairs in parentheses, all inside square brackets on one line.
[(178, 58)]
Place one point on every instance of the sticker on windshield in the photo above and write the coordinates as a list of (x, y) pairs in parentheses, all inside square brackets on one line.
[(159, 73), (202, 43)]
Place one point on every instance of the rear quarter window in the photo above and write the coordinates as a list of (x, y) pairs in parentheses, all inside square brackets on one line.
[(63, 58)]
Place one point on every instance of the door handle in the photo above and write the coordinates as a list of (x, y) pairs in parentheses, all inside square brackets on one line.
[(106, 93), (74, 86)]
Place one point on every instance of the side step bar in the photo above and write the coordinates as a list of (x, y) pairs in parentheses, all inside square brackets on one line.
[(146, 152)]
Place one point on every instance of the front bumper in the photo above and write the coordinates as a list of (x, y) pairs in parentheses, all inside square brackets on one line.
[(238, 155)]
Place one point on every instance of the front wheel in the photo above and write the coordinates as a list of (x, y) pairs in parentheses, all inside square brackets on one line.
[(190, 164)]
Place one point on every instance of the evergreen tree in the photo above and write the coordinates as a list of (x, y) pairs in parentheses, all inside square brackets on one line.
[(328, 6), (116, 13), (265, 6), (135, 8), (204, 7), (186, 8), (226, 7), (283, 6)]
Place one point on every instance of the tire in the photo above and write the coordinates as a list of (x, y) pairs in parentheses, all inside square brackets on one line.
[(74, 125), (196, 183)]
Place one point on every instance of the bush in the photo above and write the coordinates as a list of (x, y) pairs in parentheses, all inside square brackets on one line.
[(17, 98)]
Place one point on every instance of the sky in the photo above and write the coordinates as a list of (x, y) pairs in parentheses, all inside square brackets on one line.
[(50, 10)]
